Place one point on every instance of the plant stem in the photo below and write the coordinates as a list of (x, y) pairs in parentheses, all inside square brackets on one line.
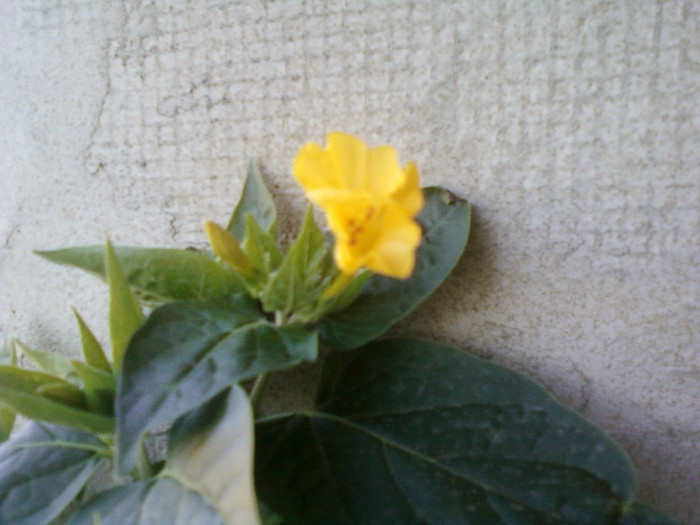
[(257, 392), (143, 466)]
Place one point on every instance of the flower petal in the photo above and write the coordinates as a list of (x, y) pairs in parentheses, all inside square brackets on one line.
[(314, 169), (394, 251), (349, 156), (409, 196), (384, 173)]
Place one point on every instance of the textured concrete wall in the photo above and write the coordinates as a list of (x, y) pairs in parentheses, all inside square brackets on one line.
[(573, 127)]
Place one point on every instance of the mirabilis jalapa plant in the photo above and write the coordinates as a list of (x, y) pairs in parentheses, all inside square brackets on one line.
[(402, 431)]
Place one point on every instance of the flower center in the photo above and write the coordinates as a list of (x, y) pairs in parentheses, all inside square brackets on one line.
[(361, 228)]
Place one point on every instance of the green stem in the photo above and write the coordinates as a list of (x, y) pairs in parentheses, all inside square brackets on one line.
[(257, 392), (143, 466)]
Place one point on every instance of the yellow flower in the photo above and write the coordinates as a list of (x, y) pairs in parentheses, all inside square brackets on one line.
[(369, 200)]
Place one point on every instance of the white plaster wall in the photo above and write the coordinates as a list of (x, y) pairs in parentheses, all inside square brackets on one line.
[(572, 126)]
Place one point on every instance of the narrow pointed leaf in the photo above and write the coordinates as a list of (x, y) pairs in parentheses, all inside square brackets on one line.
[(125, 315), (187, 353), (212, 449), (157, 275), (99, 387), (51, 363), (7, 415), (412, 432), (303, 275), (256, 201), (8, 355), (7, 422), (42, 470), (261, 247), (384, 301), (43, 397), (92, 349)]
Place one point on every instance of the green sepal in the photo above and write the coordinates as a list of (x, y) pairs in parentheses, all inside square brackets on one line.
[(307, 269), (261, 247), (384, 301), (47, 398), (405, 431), (99, 387), (92, 349), (186, 353), (157, 275), (256, 201), (43, 469), (51, 363), (125, 316)]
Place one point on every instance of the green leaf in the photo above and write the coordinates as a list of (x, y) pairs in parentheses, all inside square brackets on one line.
[(257, 202), (99, 387), (212, 449), (306, 270), (157, 275), (7, 422), (125, 316), (8, 355), (384, 301), (640, 514), (48, 398), (412, 432), (42, 470), (92, 349), (186, 353), (207, 478), (164, 501), (51, 363), (261, 247), (7, 415)]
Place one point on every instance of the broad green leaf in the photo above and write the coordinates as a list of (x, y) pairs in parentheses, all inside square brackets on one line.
[(158, 502), (99, 387), (305, 272), (7, 415), (42, 470), (256, 201), (51, 363), (412, 432), (207, 478), (211, 449), (92, 349), (186, 353), (125, 316), (47, 398), (640, 514), (261, 247), (384, 301), (157, 275)]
